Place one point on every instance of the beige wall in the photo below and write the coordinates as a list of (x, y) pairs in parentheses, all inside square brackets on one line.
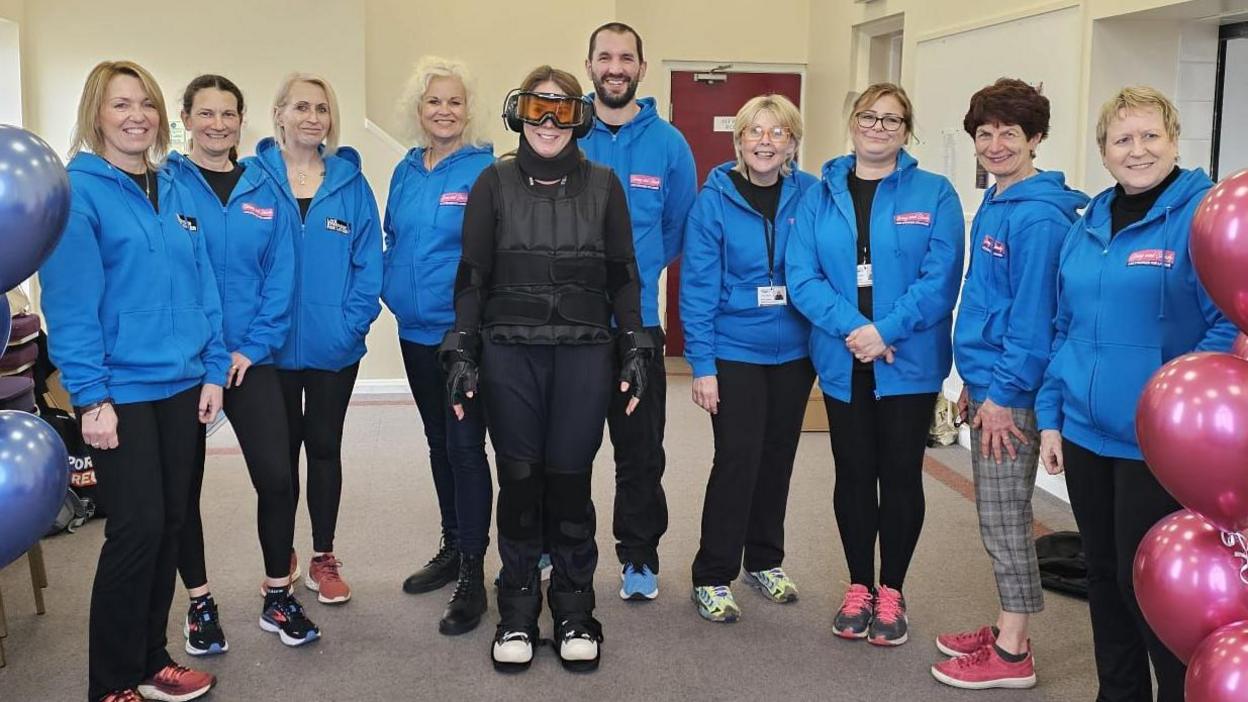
[(367, 47)]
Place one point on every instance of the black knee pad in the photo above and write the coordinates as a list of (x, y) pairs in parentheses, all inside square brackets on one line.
[(571, 510), (519, 499)]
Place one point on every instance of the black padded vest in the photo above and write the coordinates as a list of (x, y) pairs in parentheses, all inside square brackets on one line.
[(548, 284)]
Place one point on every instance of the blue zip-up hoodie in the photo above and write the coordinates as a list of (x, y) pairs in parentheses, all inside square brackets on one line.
[(724, 264), (1125, 307), (916, 256), (249, 243), (1004, 329), (655, 165), (337, 262), (424, 239), (129, 294)]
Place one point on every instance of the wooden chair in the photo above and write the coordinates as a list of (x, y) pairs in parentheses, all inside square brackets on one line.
[(38, 582)]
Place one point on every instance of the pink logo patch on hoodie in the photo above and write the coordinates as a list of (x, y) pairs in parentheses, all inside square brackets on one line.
[(1152, 257), (257, 211), (456, 198)]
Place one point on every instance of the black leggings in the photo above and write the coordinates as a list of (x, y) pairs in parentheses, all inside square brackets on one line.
[(547, 408), (256, 415), (878, 447), (1116, 501), (757, 429), (143, 486), (316, 408)]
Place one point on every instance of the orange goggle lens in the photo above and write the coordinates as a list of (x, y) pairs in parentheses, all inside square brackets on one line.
[(534, 108)]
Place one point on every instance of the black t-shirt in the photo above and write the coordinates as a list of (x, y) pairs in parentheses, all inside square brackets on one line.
[(222, 182), (863, 194), (1126, 209), (765, 199), (304, 204), (481, 222), (614, 128), (149, 184)]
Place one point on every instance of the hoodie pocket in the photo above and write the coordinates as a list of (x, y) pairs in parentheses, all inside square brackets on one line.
[(399, 293), (435, 293), (1119, 375), (158, 344), (326, 339), (240, 303)]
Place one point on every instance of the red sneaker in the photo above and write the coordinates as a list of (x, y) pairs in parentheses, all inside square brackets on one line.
[(175, 683), (985, 669), (122, 696), (966, 642), (324, 579)]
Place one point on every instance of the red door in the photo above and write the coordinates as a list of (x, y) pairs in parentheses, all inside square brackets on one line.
[(703, 111)]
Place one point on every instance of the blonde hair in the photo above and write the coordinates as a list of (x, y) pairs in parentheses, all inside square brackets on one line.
[(785, 112), (875, 92), (283, 96), (1137, 97), (427, 68), (87, 133)]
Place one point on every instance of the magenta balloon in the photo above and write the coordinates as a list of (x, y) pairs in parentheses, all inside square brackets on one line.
[(1187, 581), (1219, 245), (1192, 425), (1218, 671), (1240, 348)]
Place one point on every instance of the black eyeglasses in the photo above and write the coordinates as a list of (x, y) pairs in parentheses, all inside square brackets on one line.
[(868, 120)]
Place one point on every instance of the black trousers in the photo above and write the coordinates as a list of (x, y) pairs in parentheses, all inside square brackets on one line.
[(461, 472), (316, 408), (143, 486), (1116, 501), (546, 407), (257, 416), (640, 517), (757, 428), (878, 447)]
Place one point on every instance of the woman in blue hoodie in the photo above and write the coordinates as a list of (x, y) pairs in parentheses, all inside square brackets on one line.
[(134, 323), (874, 263), (424, 218), (248, 236), (1128, 301), (337, 250), (748, 350), (1001, 345)]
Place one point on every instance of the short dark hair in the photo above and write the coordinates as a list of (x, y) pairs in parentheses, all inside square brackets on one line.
[(1009, 101), (210, 80), (618, 28)]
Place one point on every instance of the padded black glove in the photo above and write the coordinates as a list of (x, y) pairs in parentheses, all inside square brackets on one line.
[(635, 349), (458, 355)]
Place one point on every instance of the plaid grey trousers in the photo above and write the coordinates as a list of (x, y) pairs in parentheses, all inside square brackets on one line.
[(1003, 500)]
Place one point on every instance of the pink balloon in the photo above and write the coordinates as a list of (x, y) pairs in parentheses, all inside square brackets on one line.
[(1187, 581), (1192, 425), (1240, 348), (1219, 245), (1218, 671)]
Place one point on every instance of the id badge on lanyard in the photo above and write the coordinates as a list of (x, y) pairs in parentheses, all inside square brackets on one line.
[(772, 295), (864, 275)]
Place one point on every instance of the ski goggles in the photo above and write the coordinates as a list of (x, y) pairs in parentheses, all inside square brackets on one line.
[(535, 108)]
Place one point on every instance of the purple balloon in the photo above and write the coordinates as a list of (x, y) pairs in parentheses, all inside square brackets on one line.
[(1187, 581), (1219, 245), (1192, 425), (34, 475), (1218, 671), (34, 204)]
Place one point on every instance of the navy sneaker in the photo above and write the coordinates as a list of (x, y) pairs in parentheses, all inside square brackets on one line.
[(202, 628), (284, 616), (637, 584)]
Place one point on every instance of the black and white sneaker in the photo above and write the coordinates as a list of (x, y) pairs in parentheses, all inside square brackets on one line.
[(513, 650), (202, 628), (578, 635), (284, 616)]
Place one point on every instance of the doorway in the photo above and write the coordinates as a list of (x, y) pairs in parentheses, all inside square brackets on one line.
[(703, 105), (1230, 102)]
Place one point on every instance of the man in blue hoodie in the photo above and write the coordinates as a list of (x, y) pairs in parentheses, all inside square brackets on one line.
[(655, 165), (1001, 344)]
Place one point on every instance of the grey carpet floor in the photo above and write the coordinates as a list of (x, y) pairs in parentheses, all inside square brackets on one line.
[(384, 645)]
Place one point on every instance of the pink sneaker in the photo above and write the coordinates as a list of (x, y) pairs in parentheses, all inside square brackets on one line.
[(855, 614), (323, 579), (175, 683), (965, 642), (985, 669)]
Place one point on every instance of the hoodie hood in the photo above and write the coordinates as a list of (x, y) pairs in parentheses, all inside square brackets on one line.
[(836, 172), (1190, 184), (1048, 187), (415, 157), (648, 114), (181, 165), (340, 169), (99, 167)]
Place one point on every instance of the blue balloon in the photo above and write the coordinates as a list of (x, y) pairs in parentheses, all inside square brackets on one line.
[(6, 322), (34, 204), (34, 475)]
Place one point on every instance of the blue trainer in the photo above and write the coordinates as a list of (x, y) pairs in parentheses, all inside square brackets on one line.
[(638, 584)]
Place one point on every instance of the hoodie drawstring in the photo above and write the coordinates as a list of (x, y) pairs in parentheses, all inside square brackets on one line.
[(1165, 267)]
